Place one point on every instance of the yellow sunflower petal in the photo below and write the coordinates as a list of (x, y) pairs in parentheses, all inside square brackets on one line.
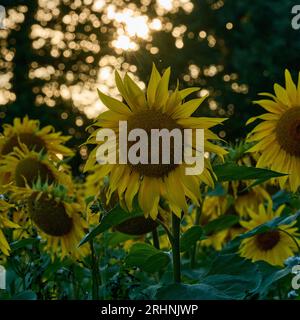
[(290, 88), (152, 85), (186, 109), (282, 94), (114, 104)]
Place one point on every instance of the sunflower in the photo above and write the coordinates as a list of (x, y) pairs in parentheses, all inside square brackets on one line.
[(158, 109), (5, 223), (28, 132), (278, 136), (214, 207), (101, 205), (23, 167), (273, 246), (57, 218), (247, 198)]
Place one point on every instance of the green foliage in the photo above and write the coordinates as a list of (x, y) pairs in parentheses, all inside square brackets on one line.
[(233, 172), (114, 217), (147, 258), (234, 65), (190, 237), (273, 224), (219, 224), (190, 292)]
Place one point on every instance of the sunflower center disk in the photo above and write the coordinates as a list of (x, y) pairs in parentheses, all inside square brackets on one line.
[(267, 240), (288, 131), (32, 142), (148, 120), (30, 170), (50, 216)]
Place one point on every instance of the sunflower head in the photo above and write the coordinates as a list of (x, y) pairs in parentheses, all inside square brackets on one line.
[(28, 132), (32, 141), (245, 199), (158, 108), (277, 137), (273, 246), (58, 220), (24, 168), (49, 215)]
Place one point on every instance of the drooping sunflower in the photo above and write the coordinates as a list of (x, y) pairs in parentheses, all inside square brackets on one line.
[(5, 223), (28, 132), (273, 246), (23, 167), (135, 226), (277, 137), (158, 109), (57, 218)]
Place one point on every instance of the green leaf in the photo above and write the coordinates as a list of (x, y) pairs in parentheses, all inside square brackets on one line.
[(190, 237), (231, 264), (116, 238), (273, 224), (270, 225), (237, 287), (231, 171), (114, 217), (233, 276), (25, 295), (190, 292), (147, 258), (271, 275), (16, 245), (221, 223)]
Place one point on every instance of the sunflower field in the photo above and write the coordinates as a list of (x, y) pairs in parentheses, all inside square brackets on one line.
[(81, 221)]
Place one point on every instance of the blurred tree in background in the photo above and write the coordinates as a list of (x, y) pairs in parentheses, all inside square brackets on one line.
[(55, 53)]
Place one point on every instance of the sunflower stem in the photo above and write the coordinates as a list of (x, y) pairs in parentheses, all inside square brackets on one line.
[(176, 248), (194, 248), (95, 273), (155, 239)]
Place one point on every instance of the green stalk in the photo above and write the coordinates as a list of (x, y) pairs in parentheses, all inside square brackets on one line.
[(95, 273), (155, 239), (176, 248), (194, 248)]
